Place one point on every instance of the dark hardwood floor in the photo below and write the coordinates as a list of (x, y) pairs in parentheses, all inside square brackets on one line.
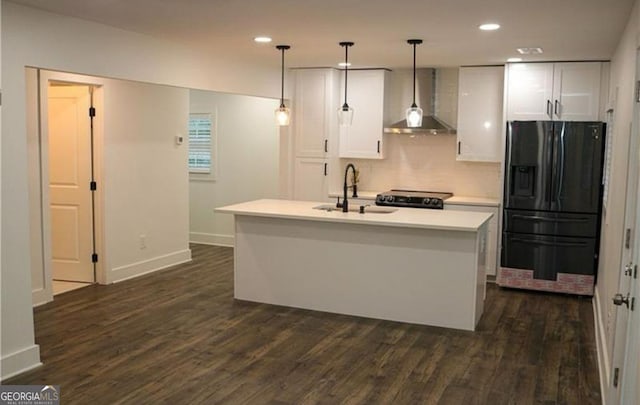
[(178, 337)]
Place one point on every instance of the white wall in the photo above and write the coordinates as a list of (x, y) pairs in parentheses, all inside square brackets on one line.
[(35, 38), (427, 163), (621, 83), (248, 145)]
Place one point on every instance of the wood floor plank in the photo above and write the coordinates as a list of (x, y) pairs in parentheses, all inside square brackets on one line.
[(178, 336)]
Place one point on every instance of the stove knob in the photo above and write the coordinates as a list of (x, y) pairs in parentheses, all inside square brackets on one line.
[(389, 198), (435, 202), (426, 201), (380, 198)]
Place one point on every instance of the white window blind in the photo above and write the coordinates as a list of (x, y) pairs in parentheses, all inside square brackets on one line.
[(200, 143)]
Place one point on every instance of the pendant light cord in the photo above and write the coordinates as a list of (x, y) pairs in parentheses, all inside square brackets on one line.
[(282, 48), (282, 81), (346, 73), (414, 77), (346, 45)]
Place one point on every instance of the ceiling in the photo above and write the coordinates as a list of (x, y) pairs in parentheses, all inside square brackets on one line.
[(564, 29)]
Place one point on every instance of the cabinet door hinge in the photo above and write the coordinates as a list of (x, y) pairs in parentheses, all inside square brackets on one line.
[(638, 91), (94, 258), (616, 376), (92, 112), (633, 303), (93, 186)]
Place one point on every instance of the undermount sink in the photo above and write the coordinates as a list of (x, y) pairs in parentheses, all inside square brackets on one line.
[(368, 209)]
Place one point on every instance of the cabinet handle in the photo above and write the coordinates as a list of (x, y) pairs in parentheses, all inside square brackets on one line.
[(378, 147), (556, 109), (325, 169), (326, 145), (549, 108), (459, 146)]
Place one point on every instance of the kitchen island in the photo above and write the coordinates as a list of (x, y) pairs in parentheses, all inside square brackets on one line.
[(410, 265)]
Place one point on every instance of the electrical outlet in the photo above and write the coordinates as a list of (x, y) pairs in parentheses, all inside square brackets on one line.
[(143, 241)]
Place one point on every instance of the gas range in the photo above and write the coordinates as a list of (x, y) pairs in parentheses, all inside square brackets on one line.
[(413, 199)]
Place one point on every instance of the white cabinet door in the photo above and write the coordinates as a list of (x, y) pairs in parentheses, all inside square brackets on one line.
[(314, 110), (365, 94), (310, 179), (576, 91), (554, 91), (492, 232), (480, 95), (530, 91)]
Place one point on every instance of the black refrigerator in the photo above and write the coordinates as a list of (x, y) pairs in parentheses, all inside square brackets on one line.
[(552, 203)]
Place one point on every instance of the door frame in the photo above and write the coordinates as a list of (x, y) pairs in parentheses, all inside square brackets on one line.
[(630, 379), (44, 78)]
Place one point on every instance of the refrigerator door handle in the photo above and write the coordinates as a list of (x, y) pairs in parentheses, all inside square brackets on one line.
[(559, 170), (546, 243), (546, 219)]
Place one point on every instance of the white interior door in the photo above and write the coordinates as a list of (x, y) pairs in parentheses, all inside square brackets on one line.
[(625, 351), (69, 134)]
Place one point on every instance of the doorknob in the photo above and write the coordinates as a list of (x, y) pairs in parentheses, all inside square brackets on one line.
[(619, 299)]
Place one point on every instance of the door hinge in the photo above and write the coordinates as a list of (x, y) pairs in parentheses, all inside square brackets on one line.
[(633, 303), (94, 258), (616, 376), (93, 186), (92, 112), (627, 238), (638, 91)]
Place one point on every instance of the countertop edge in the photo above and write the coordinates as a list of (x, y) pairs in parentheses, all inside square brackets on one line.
[(322, 216)]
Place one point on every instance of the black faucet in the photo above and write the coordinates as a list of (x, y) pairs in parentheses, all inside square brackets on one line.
[(345, 203)]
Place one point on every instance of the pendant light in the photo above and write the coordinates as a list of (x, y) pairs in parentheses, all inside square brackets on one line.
[(414, 113), (345, 113), (283, 114)]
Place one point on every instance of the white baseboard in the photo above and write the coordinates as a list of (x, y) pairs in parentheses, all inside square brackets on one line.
[(149, 266), (20, 362), (604, 365), (41, 297), (211, 239)]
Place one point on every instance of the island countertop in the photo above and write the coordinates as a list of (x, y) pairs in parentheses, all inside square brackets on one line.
[(402, 217)]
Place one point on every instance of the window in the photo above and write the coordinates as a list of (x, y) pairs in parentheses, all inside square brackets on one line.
[(201, 157)]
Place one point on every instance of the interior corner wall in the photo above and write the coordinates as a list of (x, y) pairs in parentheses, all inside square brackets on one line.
[(623, 67), (247, 162), (40, 39)]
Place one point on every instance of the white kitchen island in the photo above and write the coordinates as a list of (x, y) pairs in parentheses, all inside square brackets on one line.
[(413, 265)]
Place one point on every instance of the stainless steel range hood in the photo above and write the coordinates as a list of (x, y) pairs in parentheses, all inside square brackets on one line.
[(433, 94)]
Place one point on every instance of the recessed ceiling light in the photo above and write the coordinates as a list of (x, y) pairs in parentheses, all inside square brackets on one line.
[(514, 60), (343, 64), (489, 27), (262, 40), (529, 51)]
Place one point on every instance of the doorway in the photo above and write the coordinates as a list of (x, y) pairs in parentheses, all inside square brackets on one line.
[(69, 112)]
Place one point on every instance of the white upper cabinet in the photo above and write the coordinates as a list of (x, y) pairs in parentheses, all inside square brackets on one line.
[(366, 95), (576, 91), (554, 91), (529, 91), (480, 96), (314, 111)]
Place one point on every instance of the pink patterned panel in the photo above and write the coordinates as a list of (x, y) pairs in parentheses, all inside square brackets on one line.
[(565, 283)]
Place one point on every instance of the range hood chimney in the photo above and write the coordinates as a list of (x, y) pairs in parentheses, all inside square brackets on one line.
[(428, 97)]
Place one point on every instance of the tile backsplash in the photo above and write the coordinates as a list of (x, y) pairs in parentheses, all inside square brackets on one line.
[(427, 163)]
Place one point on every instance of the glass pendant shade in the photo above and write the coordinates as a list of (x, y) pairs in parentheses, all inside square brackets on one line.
[(345, 115), (414, 116), (283, 116)]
